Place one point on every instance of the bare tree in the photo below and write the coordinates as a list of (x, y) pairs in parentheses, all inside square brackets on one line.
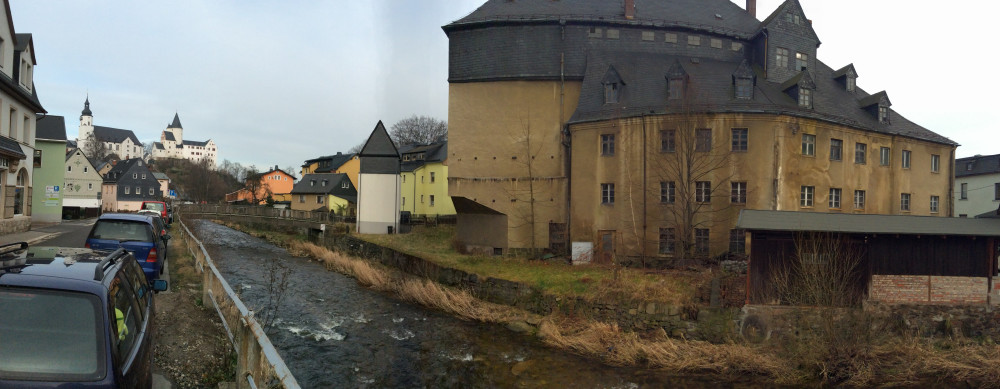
[(147, 150), (524, 187), (419, 130), (256, 188), (95, 149), (356, 149), (824, 270)]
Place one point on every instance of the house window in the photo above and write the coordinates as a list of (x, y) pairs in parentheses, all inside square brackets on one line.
[(128, 190), (667, 240), (906, 159), (302, 198), (883, 156), (151, 192), (964, 192), (860, 151), (968, 167), (667, 189), (904, 201), (675, 88), (781, 58), (808, 144), (805, 98), (703, 191), (607, 144), (319, 199), (85, 169), (715, 43), (806, 196), (667, 141), (612, 33), (324, 182), (432, 177), (703, 139), (935, 163), (347, 184), (737, 46), (610, 93), (138, 190), (883, 114), (90, 186), (432, 200), (744, 88), (935, 200), (404, 201), (801, 61), (701, 241), (594, 32), (670, 37), (421, 199), (69, 168), (143, 176), (740, 139), (737, 241), (836, 149), (135, 175), (835, 198), (19, 192), (312, 182), (851, 83), (37, 158), (648, 35), (738, 194), (607, 193), (694, 40)]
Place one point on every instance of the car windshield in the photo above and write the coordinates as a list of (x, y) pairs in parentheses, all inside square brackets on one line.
[(50, 336), (122, 230), (153, 206)]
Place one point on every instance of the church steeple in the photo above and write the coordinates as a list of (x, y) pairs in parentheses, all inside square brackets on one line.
[(86, 108)]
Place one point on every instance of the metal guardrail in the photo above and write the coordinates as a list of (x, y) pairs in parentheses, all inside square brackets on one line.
[(257, 359)]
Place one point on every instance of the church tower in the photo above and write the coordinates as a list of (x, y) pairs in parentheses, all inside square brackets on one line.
[(86, 124)]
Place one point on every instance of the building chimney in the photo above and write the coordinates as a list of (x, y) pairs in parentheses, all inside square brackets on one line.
[(752, 8), (630, 9)]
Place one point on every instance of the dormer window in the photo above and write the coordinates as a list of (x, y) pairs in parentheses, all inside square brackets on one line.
[(610, 93), (883, 114), (801, 88), (613, 84), (312, 182), (877, 105), (743, 80), (676, 81), (968, 166), (851, 83), (805, 98)]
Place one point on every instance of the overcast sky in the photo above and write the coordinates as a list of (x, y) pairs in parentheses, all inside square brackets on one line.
[(279, 82)]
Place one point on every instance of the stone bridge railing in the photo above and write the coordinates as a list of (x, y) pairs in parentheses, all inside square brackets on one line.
[(258, 363)]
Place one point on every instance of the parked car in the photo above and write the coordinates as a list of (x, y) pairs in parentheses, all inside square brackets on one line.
[(75, 317), (136, 233), (157, 206)]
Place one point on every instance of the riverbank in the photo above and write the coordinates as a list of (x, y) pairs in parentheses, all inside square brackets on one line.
[(856, 351)]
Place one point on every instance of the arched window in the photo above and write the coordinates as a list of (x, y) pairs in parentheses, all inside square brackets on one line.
[(19, 192)]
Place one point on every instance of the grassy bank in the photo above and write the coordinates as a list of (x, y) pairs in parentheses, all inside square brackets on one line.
[(859, 354)]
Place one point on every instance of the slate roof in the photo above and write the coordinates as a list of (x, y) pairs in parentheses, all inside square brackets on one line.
[(158, 146), (120, 169), (981, 164), (313, 184), (195, 143), (86, 108), (169, 135), (50, 127), (11, 148), (114, 135), (762, 220), (436, 152), (335, 162), (693, 14), (645, 92), (176, 123), (161, 176)]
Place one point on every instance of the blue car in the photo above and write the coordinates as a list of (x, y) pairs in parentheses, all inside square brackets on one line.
[(75, 318), (136, 233)]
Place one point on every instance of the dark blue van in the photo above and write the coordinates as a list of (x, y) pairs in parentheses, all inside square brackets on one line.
[(75, 318), (136, 233)]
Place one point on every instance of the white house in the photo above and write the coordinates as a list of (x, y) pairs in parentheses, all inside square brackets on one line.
[(173, 145), (379, 184), (977, 185), (122, 143)]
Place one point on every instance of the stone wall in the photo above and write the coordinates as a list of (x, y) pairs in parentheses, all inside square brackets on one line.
[(929, 289), (15, 225)]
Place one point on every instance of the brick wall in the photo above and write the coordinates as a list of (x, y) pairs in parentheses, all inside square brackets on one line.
[(928, 289)]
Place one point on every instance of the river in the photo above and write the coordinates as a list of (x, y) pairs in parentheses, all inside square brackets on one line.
[(333, 333)]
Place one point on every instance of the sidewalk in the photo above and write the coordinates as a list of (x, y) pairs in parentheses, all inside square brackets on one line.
[(36, 234)]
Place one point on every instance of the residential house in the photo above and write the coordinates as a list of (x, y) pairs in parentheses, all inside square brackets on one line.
[(326, 192), (378, 184), (82, 186), (424, 177), (103, 167), (173, 145), (118, 142), (339, 163), (977, 185), (275, 183), (581, 133), (127, 185), (18, 106), (164, 181), (48, 176)]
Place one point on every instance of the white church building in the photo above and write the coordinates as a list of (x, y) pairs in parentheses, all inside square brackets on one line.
[(122, 143), (173, 145)]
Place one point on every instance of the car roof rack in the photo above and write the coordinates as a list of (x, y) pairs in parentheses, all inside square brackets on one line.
[(107, 261), (9, 249)]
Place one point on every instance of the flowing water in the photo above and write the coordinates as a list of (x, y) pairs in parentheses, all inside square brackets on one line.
[(333, 333)]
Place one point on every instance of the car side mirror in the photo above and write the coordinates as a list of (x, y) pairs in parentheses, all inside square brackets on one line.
[(159, 285)]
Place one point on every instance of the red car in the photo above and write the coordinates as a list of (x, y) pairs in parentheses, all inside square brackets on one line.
[(157, 206)]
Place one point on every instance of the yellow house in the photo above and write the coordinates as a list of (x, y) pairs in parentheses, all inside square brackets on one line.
[(326, 192), (425, 180), (340, 163)]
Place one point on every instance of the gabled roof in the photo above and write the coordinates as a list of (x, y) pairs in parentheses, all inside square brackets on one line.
[(880, 98), (612, 77), (120, 170), (161, 176), (114, 135), (845, 71), (801, 80), (763, 220), (158, 146), (691, 14), (981, 164), (789, 6), (23, 41), (379, 144), (83, 156), (744, 70), (176, 123), (436, 152), (50, 127), (647, 94), (169, 135), (313, 184)]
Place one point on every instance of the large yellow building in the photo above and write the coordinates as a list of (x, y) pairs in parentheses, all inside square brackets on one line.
[(639, 133), (424, 176)]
